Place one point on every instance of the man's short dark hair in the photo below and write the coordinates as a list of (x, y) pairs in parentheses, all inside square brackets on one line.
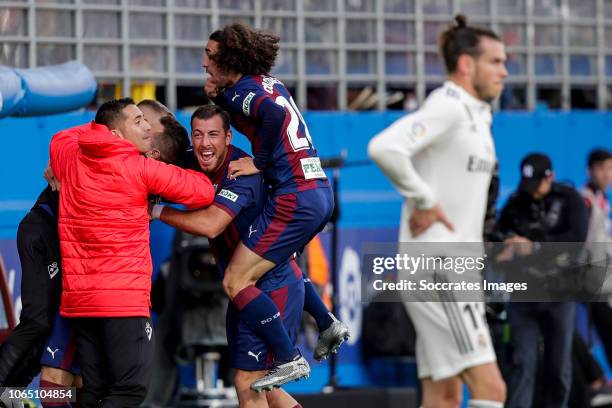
[(598, 156), (111, 111), (157, 106), (460, 39), (173, 141), (245, 49), (208, 111)]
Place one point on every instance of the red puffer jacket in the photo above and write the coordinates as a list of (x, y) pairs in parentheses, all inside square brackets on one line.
[(103, 219)]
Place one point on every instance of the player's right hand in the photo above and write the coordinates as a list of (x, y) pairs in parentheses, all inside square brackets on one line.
[(422, 219), (50, 177), (210, 88), (515, 245)]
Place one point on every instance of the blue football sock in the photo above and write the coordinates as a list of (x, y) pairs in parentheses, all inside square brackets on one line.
[(315, 306), (262, 315)]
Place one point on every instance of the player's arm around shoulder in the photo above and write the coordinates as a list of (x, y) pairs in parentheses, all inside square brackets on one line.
[(209, 222), (187, 187), (233, 196)]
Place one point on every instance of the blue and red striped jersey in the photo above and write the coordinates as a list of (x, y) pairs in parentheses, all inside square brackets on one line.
[(243, 199), (263, 110)]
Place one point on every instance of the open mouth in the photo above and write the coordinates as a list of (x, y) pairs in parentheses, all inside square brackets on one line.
[(206, 157)]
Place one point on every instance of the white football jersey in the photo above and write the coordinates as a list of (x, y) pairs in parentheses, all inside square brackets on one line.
[(442, 153)]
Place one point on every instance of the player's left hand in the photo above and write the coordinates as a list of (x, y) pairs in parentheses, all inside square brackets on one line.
[(515, 245), (241, 167)]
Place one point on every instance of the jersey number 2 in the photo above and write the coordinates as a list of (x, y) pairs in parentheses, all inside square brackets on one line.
[(297, 142)]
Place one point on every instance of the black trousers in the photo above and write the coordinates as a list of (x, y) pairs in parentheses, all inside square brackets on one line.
[(115, 355), (585, 370), (554, 323), (41, 286), (601, 314)]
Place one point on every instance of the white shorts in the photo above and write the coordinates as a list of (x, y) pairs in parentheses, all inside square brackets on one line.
[(451, 337)]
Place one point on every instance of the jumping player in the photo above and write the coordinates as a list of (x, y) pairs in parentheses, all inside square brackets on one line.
[(238, 60)]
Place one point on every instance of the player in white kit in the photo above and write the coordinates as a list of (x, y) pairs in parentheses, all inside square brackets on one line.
[(441, 159)]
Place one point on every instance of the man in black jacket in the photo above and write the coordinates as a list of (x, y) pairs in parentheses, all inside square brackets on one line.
[(38, 245), (541, 211)]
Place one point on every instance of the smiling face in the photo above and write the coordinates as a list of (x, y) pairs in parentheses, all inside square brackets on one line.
[(134, 128), (216, 75), (210, 142)]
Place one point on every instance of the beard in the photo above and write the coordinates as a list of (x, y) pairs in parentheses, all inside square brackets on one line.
[(221, 81), (484, 91)]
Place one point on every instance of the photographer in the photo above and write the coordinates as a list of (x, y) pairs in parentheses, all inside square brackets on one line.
[(541, 211)]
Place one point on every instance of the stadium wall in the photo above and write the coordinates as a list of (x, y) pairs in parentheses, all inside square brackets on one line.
[(369, 205)]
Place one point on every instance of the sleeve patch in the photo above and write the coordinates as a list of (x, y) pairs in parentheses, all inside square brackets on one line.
[(246, 103), (417, 131), (233, 197)]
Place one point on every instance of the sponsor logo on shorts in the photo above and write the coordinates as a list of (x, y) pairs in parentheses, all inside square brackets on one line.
[(269, 319), (255, 356), (148, 330), (229, 195), (53, 269), (311, 166), (246, 103), (52, 352)]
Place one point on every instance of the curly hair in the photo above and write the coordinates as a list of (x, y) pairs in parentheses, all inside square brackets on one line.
[(245, 50)]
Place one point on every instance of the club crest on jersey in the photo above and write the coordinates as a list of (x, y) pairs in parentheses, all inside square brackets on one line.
[(311, 166), (246, 103), (53, 269), (229, 195)]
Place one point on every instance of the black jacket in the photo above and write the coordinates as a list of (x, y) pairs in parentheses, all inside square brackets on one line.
[(561, 216)]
